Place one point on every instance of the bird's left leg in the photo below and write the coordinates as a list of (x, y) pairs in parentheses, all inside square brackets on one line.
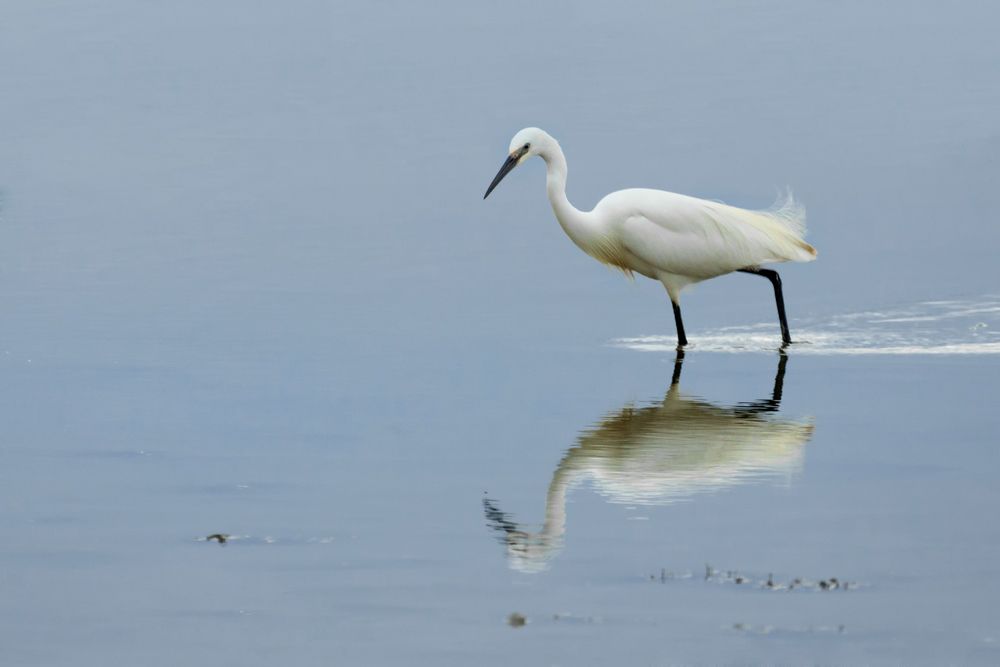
[(775, 279)]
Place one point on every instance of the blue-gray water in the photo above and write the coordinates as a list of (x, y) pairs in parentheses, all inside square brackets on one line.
[(248, 285)]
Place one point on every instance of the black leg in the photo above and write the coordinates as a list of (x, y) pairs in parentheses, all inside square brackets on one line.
[(775, 279), (779, 379), (678, 361), (768, 404), (681, 338)]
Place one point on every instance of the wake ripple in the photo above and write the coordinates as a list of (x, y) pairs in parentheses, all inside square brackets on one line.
[(964, 326)]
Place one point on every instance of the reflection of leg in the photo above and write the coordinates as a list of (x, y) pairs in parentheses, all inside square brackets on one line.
[(768, 404), (681, 338), (779, 379), (779, 299), (678, 360)]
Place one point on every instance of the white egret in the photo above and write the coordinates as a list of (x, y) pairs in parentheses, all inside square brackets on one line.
[(675, 239)]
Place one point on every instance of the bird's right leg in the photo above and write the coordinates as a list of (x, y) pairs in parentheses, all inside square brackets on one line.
[(681, 338), (779, 299)]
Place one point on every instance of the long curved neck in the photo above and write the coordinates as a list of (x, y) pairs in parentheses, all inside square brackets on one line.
[(573, 221), (555, 505)]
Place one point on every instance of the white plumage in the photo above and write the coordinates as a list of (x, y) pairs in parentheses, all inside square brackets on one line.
[(673, 238)]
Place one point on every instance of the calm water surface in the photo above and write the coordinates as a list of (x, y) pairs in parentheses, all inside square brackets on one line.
[(249, 286)]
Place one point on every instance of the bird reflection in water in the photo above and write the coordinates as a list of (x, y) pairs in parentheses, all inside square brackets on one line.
[(658, 454)]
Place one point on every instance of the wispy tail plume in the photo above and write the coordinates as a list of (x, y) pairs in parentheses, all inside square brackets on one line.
[(789, 212)]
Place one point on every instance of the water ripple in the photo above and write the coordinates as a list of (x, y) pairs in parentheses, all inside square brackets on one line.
[(962, 326)]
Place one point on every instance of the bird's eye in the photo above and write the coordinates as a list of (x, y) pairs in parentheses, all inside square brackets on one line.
[(527, 146)]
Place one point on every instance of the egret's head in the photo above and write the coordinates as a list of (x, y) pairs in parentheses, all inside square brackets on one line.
[(529, 141), (526, 552)]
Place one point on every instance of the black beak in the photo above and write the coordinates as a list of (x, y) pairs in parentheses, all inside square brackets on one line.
[(507, 167)]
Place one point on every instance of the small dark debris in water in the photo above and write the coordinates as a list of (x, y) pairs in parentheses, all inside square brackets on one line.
[(769, 583), (840, 628), (516, 620), (221, 538)]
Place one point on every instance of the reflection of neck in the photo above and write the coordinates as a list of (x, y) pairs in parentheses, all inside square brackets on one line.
[(563, 480)]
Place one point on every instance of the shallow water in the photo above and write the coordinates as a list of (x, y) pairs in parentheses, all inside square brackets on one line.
[(249, 287), (355, 503)]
